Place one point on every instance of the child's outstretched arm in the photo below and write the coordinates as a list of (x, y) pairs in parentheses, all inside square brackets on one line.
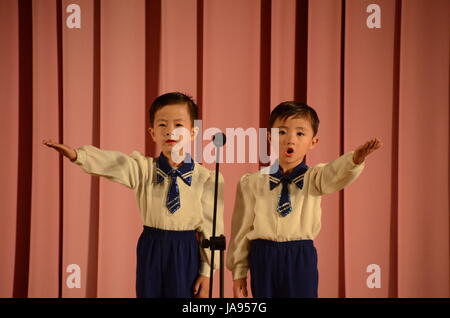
[(341, 172), (113, 165)]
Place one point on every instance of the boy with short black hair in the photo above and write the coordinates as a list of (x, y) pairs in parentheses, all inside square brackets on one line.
[(277, 216), (175, 201)]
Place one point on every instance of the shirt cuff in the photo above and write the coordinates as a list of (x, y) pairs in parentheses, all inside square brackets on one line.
[(205, 269), (81, 157), (240, 272)]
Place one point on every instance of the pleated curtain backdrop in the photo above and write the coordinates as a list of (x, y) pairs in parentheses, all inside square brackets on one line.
[(85, 72)]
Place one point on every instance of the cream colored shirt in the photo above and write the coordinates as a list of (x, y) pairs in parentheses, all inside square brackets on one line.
[(255, 212), (137, 172)]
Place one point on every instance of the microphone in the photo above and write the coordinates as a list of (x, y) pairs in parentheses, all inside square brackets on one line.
[(219, 139)]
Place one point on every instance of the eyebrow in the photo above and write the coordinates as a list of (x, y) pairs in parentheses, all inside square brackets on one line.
[(163, 119), (302, 128)]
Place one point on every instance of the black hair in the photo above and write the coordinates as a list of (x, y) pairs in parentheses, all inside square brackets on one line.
[(291, 108), (172, 99)]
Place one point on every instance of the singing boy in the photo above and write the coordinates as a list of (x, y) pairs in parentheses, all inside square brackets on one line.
[(277, 216)]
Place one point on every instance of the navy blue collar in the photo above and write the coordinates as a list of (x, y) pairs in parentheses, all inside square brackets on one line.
[(296, 176), (184, 171)]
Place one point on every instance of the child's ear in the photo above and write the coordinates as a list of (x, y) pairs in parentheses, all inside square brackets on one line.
[(151, 131), (269, 137), (314, 142), (194, 131)]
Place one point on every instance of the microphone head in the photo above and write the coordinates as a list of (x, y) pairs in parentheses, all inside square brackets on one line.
[(219, 139)]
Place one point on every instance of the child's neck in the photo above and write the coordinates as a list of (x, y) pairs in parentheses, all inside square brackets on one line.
[(287, 167), (172, 163)]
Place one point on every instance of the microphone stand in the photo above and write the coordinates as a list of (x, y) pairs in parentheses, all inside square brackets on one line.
[(216, 243)]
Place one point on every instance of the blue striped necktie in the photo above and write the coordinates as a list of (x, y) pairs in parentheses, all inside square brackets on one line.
[(184, 172), (296, 176)]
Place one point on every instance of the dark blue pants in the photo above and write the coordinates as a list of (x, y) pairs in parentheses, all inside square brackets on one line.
[(167, 263), (283, 269)]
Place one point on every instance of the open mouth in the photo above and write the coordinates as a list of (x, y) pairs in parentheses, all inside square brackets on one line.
[(289, 151)]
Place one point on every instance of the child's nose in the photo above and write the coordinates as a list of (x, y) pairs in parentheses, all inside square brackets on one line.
[(291, 138), (170, 131)]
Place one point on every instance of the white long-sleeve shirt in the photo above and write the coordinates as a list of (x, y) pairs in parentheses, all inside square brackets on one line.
[(255, 212), (137, 172)]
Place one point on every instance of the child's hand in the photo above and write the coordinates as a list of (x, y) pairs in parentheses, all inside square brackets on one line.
[(240, 287), (62, 149), (364, 150), (201, 287)]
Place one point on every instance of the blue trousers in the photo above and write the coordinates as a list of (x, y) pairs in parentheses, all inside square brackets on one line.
[(283, 269), (167, 263)]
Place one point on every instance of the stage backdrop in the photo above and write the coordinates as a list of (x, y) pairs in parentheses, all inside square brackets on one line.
[(85, 72)]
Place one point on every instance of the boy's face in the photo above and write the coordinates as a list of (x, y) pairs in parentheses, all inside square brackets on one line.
[(167, 119), (295, 140)]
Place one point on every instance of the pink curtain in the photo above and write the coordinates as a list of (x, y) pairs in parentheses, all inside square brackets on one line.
[(92, 83)]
